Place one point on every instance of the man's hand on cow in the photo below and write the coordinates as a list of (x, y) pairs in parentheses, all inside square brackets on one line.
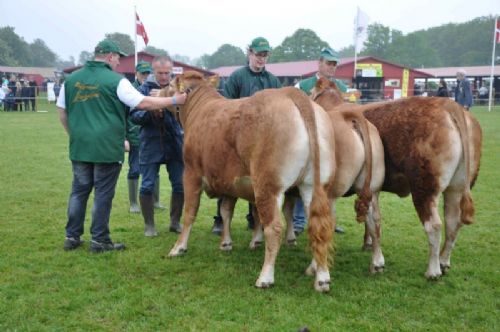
[(180, 98)]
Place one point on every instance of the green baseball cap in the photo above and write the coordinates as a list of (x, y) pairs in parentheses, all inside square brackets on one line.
[(260, 44), (108, 46), (143, 67), (329, 54)]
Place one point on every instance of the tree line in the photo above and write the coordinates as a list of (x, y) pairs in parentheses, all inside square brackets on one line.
[(449, 45)]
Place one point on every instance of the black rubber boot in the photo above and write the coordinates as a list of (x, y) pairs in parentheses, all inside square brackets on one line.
[(148, 212), (176, 205), (133, 184)]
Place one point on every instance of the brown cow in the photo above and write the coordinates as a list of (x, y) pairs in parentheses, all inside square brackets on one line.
[(431, 146), (256, 148), (360, 162)]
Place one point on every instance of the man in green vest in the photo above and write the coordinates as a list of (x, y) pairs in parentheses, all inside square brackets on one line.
[(92, 107), (327, 65)]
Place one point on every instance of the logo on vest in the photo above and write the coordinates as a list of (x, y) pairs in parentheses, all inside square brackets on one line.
[(85, 92)]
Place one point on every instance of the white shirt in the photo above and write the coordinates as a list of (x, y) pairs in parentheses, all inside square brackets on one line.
[(125, 92)]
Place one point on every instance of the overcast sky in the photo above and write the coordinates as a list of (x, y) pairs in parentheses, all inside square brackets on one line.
[(197, 27)]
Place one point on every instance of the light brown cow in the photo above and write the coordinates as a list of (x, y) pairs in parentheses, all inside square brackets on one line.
[(360, 162), (432, 146), (256, 148)]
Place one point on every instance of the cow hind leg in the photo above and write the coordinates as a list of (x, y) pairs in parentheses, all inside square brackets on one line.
[(374, 228), (429, 216), (227, 210), (452, 215), (267, 206), (192, 193)]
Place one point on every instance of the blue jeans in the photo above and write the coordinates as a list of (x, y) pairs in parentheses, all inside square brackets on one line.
[(149, 173), (299, 217), (101, 177), (133, 163)]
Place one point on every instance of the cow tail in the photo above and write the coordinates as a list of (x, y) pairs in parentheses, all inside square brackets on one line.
[(320, 228), (362, 203), (466, 203)]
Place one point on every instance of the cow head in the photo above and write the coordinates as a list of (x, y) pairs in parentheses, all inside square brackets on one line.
[(190, 80), (326, 93)]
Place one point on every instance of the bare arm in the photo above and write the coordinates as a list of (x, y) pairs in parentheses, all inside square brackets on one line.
[(63, 117), (155, 103)]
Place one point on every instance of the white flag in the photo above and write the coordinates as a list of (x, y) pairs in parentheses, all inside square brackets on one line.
[(360, 30)]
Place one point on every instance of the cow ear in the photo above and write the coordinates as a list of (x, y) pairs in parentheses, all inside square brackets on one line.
[(179, 83), (214, 81)]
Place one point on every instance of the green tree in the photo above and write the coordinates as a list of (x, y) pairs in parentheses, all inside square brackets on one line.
[(123, 41), (304, 44), (62, 64), (378, 42), (16, 49), (6, 55), (203, 61), (347, 52), (84, 57), (226, 55), (181, 58), (155, 51), (41, 54)]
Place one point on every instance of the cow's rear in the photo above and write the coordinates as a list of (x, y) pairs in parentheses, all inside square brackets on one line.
[(432, 146)]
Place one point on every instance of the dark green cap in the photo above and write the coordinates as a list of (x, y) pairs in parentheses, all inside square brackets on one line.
[(260, 44), (108, 46), (329, 54), (143, 67)]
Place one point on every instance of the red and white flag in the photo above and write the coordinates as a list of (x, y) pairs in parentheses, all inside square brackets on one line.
[(497, 32), (140, 30)]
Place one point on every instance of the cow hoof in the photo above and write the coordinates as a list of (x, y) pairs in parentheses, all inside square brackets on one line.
[(433, 277), (376, 269), (226, 246), (322, 286), (291, 243), (255, 244), (444, 268), (367, 247), (264, 284), (177, 252)]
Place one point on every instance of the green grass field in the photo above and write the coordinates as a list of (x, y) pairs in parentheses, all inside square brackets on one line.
[(43, 288)]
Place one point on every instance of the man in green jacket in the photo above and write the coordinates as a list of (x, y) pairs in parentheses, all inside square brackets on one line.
[(244, 82), (92, 109), (327, 65)]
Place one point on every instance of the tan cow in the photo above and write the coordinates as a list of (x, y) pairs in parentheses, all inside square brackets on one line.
[(360, 162), (432, 146), (256, 148)]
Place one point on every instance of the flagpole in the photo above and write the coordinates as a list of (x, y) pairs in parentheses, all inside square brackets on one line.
[(135, 34), (492, 64), (356, 43)]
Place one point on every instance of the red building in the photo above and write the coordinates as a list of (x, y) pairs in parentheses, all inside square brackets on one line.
[(127, 66), (379, 79)]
